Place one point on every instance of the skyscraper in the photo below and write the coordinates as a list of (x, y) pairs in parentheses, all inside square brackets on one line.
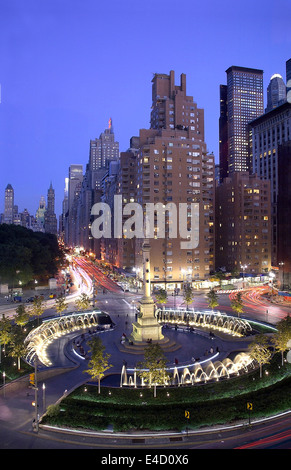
[(74, 187), (40, 215), (245, 102), (223, 133), (276, 92), (102, 152), (8, 205), (50, 219), (173, 166)]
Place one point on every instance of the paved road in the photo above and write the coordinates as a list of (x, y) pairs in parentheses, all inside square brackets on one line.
[(16, 411)]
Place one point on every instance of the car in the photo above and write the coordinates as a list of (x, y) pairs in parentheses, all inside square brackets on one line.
[(29, 300)]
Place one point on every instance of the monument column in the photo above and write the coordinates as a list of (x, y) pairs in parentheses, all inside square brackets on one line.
[(146, 327)]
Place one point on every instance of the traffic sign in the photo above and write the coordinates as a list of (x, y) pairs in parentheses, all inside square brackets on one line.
[(187, 414), (249, 406), (32, 379)]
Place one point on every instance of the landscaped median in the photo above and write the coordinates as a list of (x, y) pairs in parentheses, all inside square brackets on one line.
[(176, 408)]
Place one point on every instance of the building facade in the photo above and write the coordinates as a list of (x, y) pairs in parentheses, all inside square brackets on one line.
[(276, 92), (173, 167), (241, 102), (8, 215), (288, 78), (50, 219), (268, 132), (243, 224), (284, 215)]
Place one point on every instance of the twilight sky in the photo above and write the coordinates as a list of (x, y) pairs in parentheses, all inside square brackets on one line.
[(67, 66)]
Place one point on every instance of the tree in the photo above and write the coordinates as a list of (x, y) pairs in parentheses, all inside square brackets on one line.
[(83, 303), (26, 255), (161, 296), (218, 276), (282, 336), (212, 299), (99, 361), (17, 345), (22, 316), (153, 368), (37, 307), (188, 294), (5, 331), (60, 304), (237, 304), (258, 350)]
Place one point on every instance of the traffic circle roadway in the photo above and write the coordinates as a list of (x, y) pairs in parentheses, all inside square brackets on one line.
[(17, 412)]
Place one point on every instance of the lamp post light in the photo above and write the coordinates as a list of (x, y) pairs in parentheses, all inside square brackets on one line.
[(183, 271), (4, 375), (43, 396), (244, 266), (271, 276), (282, 264)]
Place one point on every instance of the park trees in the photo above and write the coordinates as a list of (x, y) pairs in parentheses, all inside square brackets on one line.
[(83, 302), (37, 308), (282, 335), (5, 332), (212, 299), (60, 304), (22, 316), (99, 362), (17, 344), (188, 294), (153, 369), (259, 351), (161, 296), (237, 304), (26, 255)]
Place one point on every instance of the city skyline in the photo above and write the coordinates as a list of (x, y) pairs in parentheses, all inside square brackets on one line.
[(65, 73)]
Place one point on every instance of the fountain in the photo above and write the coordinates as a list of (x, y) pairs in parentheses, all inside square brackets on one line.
[(198, 372)]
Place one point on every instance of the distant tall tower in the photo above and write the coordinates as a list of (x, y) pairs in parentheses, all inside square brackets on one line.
[(276, 92), (40, 214), (9, 205), (50, 220), (74, 187), (102, 152), (245, 102)]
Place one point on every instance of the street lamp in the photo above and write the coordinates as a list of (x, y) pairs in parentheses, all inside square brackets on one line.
[(244, 266), (282, 264), (183, 271), (43, 396), (271, 276), (4, 375)]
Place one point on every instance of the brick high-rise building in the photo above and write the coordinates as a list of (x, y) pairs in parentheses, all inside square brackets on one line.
[(269, 131), (127, 189), (284, 215), (173, 166), (243, 224)]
